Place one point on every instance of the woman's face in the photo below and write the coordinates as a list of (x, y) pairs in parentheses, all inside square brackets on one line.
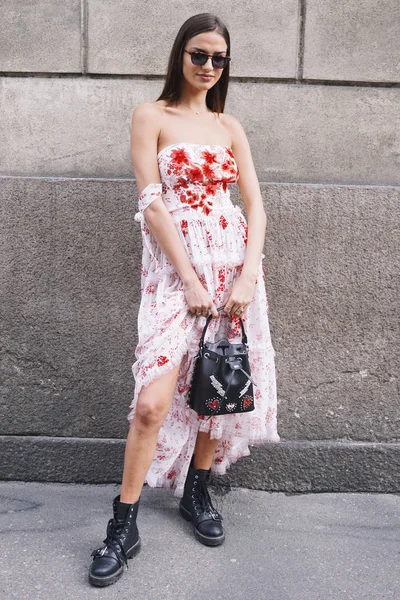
[(206, 76)]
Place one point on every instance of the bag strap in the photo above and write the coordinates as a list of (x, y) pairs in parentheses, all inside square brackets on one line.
[(244, 336)]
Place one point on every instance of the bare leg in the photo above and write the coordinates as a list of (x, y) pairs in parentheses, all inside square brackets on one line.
[(204, 451), (153, 404)]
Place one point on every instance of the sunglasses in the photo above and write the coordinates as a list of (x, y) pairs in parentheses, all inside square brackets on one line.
[(200, 58)]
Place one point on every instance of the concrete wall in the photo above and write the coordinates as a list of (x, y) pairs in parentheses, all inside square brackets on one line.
[(316, 86)]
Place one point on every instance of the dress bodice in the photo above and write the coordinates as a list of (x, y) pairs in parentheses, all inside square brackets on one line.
[(195, 177)]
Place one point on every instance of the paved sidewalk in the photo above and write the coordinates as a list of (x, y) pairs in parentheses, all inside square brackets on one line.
[(278, 546)]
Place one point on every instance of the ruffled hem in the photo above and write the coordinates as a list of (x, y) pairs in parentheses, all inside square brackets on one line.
[(249, 437), (219, 469)]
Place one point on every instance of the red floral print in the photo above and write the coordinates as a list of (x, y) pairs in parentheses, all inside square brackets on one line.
[(184, 227), (179, 157), (223, 222), (195, 174), (162, 360), (196, 181), (208, 172), (211, 188), (209, 157), (203, 280)]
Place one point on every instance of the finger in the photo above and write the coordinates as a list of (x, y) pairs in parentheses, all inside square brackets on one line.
[(228, 308), (238, 310), (234, 308), (214, 311)]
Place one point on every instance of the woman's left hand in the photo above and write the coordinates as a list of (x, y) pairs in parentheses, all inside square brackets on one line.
[(241, 295)]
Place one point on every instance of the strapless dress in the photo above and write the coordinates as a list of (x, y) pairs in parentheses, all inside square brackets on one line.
[(195, 180)]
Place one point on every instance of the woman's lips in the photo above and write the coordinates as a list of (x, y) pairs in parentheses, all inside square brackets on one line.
[(206, 77)]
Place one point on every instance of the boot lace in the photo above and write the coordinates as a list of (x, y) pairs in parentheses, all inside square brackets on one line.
[(113, 541), (203, 503)]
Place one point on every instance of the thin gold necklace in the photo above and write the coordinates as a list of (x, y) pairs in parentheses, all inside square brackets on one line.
[(196, 111)]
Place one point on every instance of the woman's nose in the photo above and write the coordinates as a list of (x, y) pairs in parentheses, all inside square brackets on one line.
[(208, 64)]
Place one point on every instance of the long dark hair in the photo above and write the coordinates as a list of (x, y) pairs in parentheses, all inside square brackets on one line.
[(196, 24)]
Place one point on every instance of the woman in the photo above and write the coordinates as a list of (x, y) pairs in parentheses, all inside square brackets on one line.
[(199, 253)]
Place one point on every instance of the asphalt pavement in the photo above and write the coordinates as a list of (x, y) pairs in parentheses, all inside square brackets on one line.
[(278, 546)]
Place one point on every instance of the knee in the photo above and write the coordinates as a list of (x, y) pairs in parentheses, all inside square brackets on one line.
[(151, 413)]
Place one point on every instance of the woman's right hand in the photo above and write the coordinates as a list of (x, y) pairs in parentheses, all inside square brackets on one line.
[(199, 300)]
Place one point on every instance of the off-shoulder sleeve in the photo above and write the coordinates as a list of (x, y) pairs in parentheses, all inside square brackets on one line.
[(151, 192)]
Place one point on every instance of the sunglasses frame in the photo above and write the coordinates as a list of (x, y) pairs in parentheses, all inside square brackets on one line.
[(212, 56)]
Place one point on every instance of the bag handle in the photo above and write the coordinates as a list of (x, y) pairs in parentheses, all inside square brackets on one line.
[(244, 336)]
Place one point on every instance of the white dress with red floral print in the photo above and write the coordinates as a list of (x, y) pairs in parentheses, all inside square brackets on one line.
[(195, 189)]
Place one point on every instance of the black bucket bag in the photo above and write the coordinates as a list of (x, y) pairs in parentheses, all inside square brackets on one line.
[(222, 382)]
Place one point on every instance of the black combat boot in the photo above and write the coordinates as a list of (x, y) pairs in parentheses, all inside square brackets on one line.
[(122, 542), (196, 506)]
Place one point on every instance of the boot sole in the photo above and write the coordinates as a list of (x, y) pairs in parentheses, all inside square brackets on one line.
[(204, 539), (110, 579)]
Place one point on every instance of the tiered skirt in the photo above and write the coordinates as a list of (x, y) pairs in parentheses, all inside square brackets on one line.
[(169, 334)]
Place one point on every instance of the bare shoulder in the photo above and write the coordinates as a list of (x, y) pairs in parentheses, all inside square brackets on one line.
[(147, 110), (145, 129), (235, 128)]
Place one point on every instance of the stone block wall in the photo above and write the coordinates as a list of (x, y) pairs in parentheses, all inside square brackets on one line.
[(316, 85)]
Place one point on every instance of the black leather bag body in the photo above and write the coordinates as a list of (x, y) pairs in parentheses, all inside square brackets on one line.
[(221, 382)]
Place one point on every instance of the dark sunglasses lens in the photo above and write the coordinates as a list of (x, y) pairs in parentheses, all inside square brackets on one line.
[(199, 59), (219, 62)]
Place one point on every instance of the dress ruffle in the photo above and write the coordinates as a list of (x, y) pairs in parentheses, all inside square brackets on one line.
[(214, 240)]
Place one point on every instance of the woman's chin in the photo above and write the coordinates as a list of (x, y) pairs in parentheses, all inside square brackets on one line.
[(202, 84)]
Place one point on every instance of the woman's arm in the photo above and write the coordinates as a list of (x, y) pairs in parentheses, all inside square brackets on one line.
[(145, 129), (242, 291), (250, 191)]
